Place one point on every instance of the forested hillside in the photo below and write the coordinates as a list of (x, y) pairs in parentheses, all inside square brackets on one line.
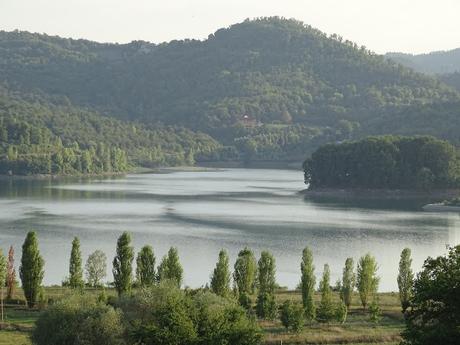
[(266, 89), (440, 62), (452, 79)]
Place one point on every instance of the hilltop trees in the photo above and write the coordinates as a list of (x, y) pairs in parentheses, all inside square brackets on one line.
[(435, 305), (31, 269), (220, 279), (405, 279), (75, 267), (266, 305), (170, 268), (96, 268), (307, 284), (366, 278), (122, 265), (244, 276), (145, 267)]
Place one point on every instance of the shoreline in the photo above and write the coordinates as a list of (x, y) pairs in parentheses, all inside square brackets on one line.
[(357, 193)]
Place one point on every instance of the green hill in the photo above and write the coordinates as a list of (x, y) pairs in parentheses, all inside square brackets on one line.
[(266, 89), (440, 62)]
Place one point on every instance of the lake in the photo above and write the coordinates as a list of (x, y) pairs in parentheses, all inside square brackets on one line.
[(201, 212)]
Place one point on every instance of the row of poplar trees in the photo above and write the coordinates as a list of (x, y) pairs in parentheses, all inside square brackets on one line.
[(250, 278)]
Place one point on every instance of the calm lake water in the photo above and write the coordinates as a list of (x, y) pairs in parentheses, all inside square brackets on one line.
[(202, 212)]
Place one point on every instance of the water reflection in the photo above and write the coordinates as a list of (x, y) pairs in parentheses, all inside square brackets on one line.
[(202, 212)]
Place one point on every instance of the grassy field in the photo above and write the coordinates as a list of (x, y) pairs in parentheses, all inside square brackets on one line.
[(358, 329)]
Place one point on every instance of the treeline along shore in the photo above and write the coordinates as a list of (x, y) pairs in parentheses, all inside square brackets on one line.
[(152, 307)]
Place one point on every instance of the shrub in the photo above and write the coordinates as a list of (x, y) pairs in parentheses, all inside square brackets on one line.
[(292, 316)]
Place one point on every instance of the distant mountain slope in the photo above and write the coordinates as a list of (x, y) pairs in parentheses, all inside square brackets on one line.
[(452, 79), (270, 70), (440, 62)]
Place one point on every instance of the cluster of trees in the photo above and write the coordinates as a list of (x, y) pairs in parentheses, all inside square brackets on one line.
[(158, 312), (384, 162)]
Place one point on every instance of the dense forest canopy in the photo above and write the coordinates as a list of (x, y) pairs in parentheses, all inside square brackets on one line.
[(439, 62), (385, 162), (264, 89)]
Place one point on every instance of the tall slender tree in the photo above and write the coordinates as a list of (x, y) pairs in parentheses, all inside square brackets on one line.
[(266, 305), (10, 275), (307, 284), (348, 282), (96, 268), (405, 278), (123, 265), (31, 270), (145, 270), (75, 266), (3, 265), (326, 310), (367, 281), (170, 267), (220, 279), (244, 276)]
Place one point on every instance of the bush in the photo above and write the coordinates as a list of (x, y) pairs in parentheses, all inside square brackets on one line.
[(266, 307), (292, 316), (341, 312), (78, 320)]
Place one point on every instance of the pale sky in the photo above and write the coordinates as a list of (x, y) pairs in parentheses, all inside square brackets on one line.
[(414, 26)]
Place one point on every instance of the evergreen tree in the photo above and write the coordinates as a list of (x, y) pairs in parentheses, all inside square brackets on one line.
[(170, 268), (405, 279), (244, 276), (11, 275), (3, 272), (367, 281), (348, 282), (220, 279), (308, 282), (31, 270), (123, 265), (75, 266), (145, 270), (96, 268), (266, 305), (326, 310)]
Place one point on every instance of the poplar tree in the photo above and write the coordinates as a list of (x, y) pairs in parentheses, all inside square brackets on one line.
[(348, 282), (405, 279), (2, 280), (145, 270), (123, 265), (75, 266), (326, 311), (244, 276), (10, 275), (307, 284), (266, 304), (31, 270), (367, 281), (170, 268), (220, 279)]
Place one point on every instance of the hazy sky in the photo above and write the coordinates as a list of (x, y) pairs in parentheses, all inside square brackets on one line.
[(415, 26)]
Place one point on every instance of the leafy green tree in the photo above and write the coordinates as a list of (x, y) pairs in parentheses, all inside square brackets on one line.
[(123, 265), (244, 275), (79, 319), (326, 311), (348, 282), (405, 279), (341, 312), (96, 268), (75, 266), (375, 311), (435, 304), (367, 281), (3, 266), (170, 268), (292, 316), (31, 270), (220, 279), (145, 270), (307, 284), (266, 304)]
